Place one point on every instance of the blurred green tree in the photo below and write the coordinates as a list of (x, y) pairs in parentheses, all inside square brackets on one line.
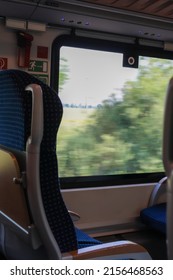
[(63, 73)]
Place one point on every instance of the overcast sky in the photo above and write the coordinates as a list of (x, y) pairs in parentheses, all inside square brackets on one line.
[(93, 75)]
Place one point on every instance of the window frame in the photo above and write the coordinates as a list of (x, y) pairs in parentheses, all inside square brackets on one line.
[(110, 46)]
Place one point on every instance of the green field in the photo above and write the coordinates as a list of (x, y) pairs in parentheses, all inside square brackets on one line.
[(75, 117), (73, 120)]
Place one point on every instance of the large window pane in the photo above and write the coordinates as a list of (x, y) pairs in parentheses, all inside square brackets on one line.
[(112, 121)]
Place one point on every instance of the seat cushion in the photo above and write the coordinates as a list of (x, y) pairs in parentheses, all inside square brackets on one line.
[(84, 240), (155, 217)]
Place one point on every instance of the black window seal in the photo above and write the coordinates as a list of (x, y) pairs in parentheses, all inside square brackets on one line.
[(110, 180)]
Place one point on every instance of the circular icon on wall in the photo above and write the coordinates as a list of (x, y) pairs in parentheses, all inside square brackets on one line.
[(131, 60)]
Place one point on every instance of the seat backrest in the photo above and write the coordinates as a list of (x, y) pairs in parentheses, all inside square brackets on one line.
[(168, 163), (15, 130)]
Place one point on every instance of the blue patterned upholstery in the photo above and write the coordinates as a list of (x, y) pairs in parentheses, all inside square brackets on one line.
[(15, 124), (11, 113), (85, 240), (155, 217)]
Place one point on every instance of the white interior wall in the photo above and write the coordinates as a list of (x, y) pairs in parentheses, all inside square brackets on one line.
[(107, 208), (9, 49)]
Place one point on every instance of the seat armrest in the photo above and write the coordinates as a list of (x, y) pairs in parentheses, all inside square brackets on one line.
[(159, 189), (75, 216), (112, 250)]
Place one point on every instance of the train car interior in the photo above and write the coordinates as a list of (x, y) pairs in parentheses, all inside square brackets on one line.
[(86, 129)]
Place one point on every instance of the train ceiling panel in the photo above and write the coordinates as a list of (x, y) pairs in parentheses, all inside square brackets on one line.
[(162, 8), (151, 19)]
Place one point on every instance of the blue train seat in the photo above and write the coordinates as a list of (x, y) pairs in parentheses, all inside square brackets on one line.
[(34, 220), (154, 216)]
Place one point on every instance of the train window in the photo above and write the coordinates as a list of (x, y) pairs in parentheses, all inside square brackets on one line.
[(112, 121)]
